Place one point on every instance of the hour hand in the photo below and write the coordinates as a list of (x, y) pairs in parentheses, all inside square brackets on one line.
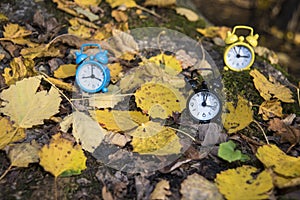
[(86, 77)]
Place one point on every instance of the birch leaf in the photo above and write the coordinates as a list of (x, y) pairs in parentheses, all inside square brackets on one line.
[(270, 90), (237, 117), (25, 106), (245, 185), (87, 131), (62, 157)]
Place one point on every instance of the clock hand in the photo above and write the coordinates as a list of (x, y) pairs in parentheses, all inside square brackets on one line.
[(99, 79), (236, 53), (87, 77), (244, 56)]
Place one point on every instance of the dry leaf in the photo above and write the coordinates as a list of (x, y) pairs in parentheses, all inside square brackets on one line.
[(105, 100), (79, 29), (8, 133), (152, 138), (20, 68), (196, 187), (65, 71), (160, 3), (123, 43), (270, 109), (88, 3), (126, 3), (161, 190), (21, 155), (87, 131), (189, 14), (87, 13), (115, 72), (25, 106), (267, 53), (185, 59), (237, 117), (212, 134), (272, 157), (63, 85), (214, 31), (159, 100), (62, 157), (246, 186), (40, 51), (119, 16), (118, 120), (270, 90), (117, 139)]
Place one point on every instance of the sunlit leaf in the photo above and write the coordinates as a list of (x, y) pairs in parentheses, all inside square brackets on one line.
[(61, 156), (270, 90), (272, 157), (227, 152), (118, 120), (159, 100), (152, 138), (239, 183), (126, 3), (237, 117), (27, 107), (196, 187), (8, 133)]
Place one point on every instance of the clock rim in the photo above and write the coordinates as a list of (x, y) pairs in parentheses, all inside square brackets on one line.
[(239, 44), (102, 68), (209, 120)]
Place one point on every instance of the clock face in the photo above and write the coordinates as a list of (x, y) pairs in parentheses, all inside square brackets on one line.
[(90, 77), (204, 106), (239, 56)]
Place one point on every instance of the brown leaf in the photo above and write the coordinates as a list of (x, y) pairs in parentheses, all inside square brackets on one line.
[(270, 108)]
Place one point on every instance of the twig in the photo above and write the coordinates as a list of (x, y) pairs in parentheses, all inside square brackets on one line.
[(256, 122), (104, 97), (184, 133), (148, 11), (6, 171)]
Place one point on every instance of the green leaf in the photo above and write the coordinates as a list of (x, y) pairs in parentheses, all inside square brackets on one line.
[(227, 152)]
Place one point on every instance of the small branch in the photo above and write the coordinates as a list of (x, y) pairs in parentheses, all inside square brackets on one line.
[(262, 131)]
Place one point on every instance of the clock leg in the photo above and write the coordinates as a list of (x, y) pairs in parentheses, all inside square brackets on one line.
[(104, 90)]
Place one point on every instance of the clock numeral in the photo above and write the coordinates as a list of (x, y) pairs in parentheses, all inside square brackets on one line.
[(203, 115)]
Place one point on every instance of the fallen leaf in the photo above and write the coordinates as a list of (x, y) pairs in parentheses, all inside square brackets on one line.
[(79, 29), (21, 155), (160, 3), (61, 84), (118, 120), (8, 133), (20, 68), (3, 17), (185, 59), (87, 3), (126, 3), (196, 187), (40, 51), (272, 157), (270, 109), (212, 134), (152, 138), (161, 190), (119, 16), (27, 107), (267, 53), (227, 152), (159, 100), (65, 71), (189, 14), (62, 158), (87, 13), (246, 186), (66, 123), (270, 90), (106, 194), (214, 31), (237, 117), (117, 139), (123, 43), (87, 131), (285, 182), (115, 72)]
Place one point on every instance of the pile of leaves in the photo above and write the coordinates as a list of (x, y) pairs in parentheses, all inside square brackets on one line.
[(45, 120)]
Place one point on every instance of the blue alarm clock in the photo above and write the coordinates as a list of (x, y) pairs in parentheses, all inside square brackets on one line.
[(92, 74)]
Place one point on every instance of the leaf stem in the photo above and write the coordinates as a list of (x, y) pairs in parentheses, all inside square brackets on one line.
[(104, 97), (184, 133), (256, 122), (6, 171)]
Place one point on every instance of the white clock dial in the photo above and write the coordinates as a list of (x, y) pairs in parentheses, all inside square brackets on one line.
[(239, 57), (90, 76), (204, 106)]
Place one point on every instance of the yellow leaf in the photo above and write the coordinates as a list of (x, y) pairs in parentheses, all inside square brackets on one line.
[(8, 133), (87, 131), (117, 120), (15, 31), (3, 17), (214, 31), (270, 90), (65, 71), (189, 14), (272, 157), (79, 30), (284, 182), (161, 190), (42, 50), (126, 3), (25, 106), (20, 68), (87, 3), (63, 85), (159, 100), (115, 72), (196, 187), (152, 138), (160, 3), (246, 186), (21, 155), (62, 156), (270, 108), (105, 100), (119, 16), (237, 118), (171, 64)]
